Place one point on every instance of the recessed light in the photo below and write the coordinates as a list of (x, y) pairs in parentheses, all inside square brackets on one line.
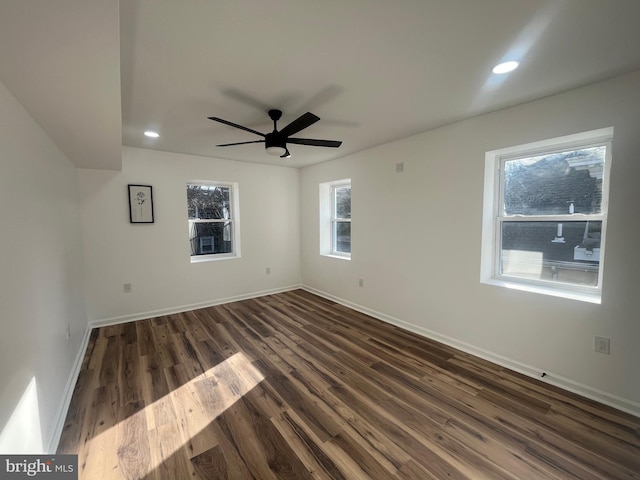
[(505, 67), (151, 134)]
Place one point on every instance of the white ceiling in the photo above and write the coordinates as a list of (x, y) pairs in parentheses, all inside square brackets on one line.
[(373, 70), (61, 60)]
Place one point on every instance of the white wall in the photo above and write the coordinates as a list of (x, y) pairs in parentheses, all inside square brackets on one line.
[(41, 285), (154, 258), (416, 244)]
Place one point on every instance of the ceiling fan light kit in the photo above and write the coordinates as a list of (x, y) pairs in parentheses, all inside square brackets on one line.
[(276, 150), (276, 141)]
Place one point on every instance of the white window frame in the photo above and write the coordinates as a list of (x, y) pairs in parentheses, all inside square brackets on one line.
[(493, 217), (328, 218), (234, 219)]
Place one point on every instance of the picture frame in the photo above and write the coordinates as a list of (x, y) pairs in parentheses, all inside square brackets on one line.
[(140, 203)]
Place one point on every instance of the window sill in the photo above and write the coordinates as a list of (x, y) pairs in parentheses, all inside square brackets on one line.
[(568, 293), (339, 257), (212, 258)]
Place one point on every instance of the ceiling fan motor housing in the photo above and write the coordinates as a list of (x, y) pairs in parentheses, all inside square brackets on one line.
[(274, 139), (274, 142)]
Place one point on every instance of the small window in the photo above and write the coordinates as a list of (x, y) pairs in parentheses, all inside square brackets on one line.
[(545, 215), (335, 218), (212, 220), (341, 220)]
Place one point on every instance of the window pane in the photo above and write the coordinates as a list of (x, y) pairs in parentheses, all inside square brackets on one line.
[(209, 238), (342, 237), (555, 184), (208, 202), (567, 252), (343, 202)]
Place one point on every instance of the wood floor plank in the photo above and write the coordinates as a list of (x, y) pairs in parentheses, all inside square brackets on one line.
[(307, 446), (236, 467), (134, 455), (211, 464), (412, 471), (169, 459), (295, 386), (146, 343), (336, 463), (238, 426), (322, 424)]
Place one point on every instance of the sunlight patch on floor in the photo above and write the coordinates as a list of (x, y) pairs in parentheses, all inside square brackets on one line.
[(139, 444)]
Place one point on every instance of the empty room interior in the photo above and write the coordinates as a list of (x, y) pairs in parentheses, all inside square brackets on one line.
[(331, 240)]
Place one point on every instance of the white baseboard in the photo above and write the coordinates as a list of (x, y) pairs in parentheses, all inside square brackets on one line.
[(53, 440), (586, 391), (185, 308), (51, 444)]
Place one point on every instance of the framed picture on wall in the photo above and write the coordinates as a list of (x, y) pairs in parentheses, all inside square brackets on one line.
[(140, 204)]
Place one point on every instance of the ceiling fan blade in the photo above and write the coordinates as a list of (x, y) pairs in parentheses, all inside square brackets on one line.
[(300, 123), (314, 142), (231, 124), (239, 143)]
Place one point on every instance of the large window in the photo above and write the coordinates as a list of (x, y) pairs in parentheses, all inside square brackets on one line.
[(545, 215), (212, 220), (335, 218)]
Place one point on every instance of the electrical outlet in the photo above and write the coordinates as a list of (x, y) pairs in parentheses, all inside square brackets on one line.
[(126, 288), (399, 167), (601, 345), (361, 282), (268, 270)]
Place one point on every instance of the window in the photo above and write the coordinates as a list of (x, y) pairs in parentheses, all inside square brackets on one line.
[(335, 218), (545, 213), (341, 219), (213, 220)]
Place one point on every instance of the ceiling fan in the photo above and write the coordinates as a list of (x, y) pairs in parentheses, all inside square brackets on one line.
[(276, 141)]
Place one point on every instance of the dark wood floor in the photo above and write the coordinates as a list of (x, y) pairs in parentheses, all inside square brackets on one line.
[(293, 386)]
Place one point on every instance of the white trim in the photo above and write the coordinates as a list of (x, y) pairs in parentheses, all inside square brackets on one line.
[(582, 139), (531, 286), (324, 218), (619, 403), (51, 445), (214, 257), (185, 308), (338, 256)]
